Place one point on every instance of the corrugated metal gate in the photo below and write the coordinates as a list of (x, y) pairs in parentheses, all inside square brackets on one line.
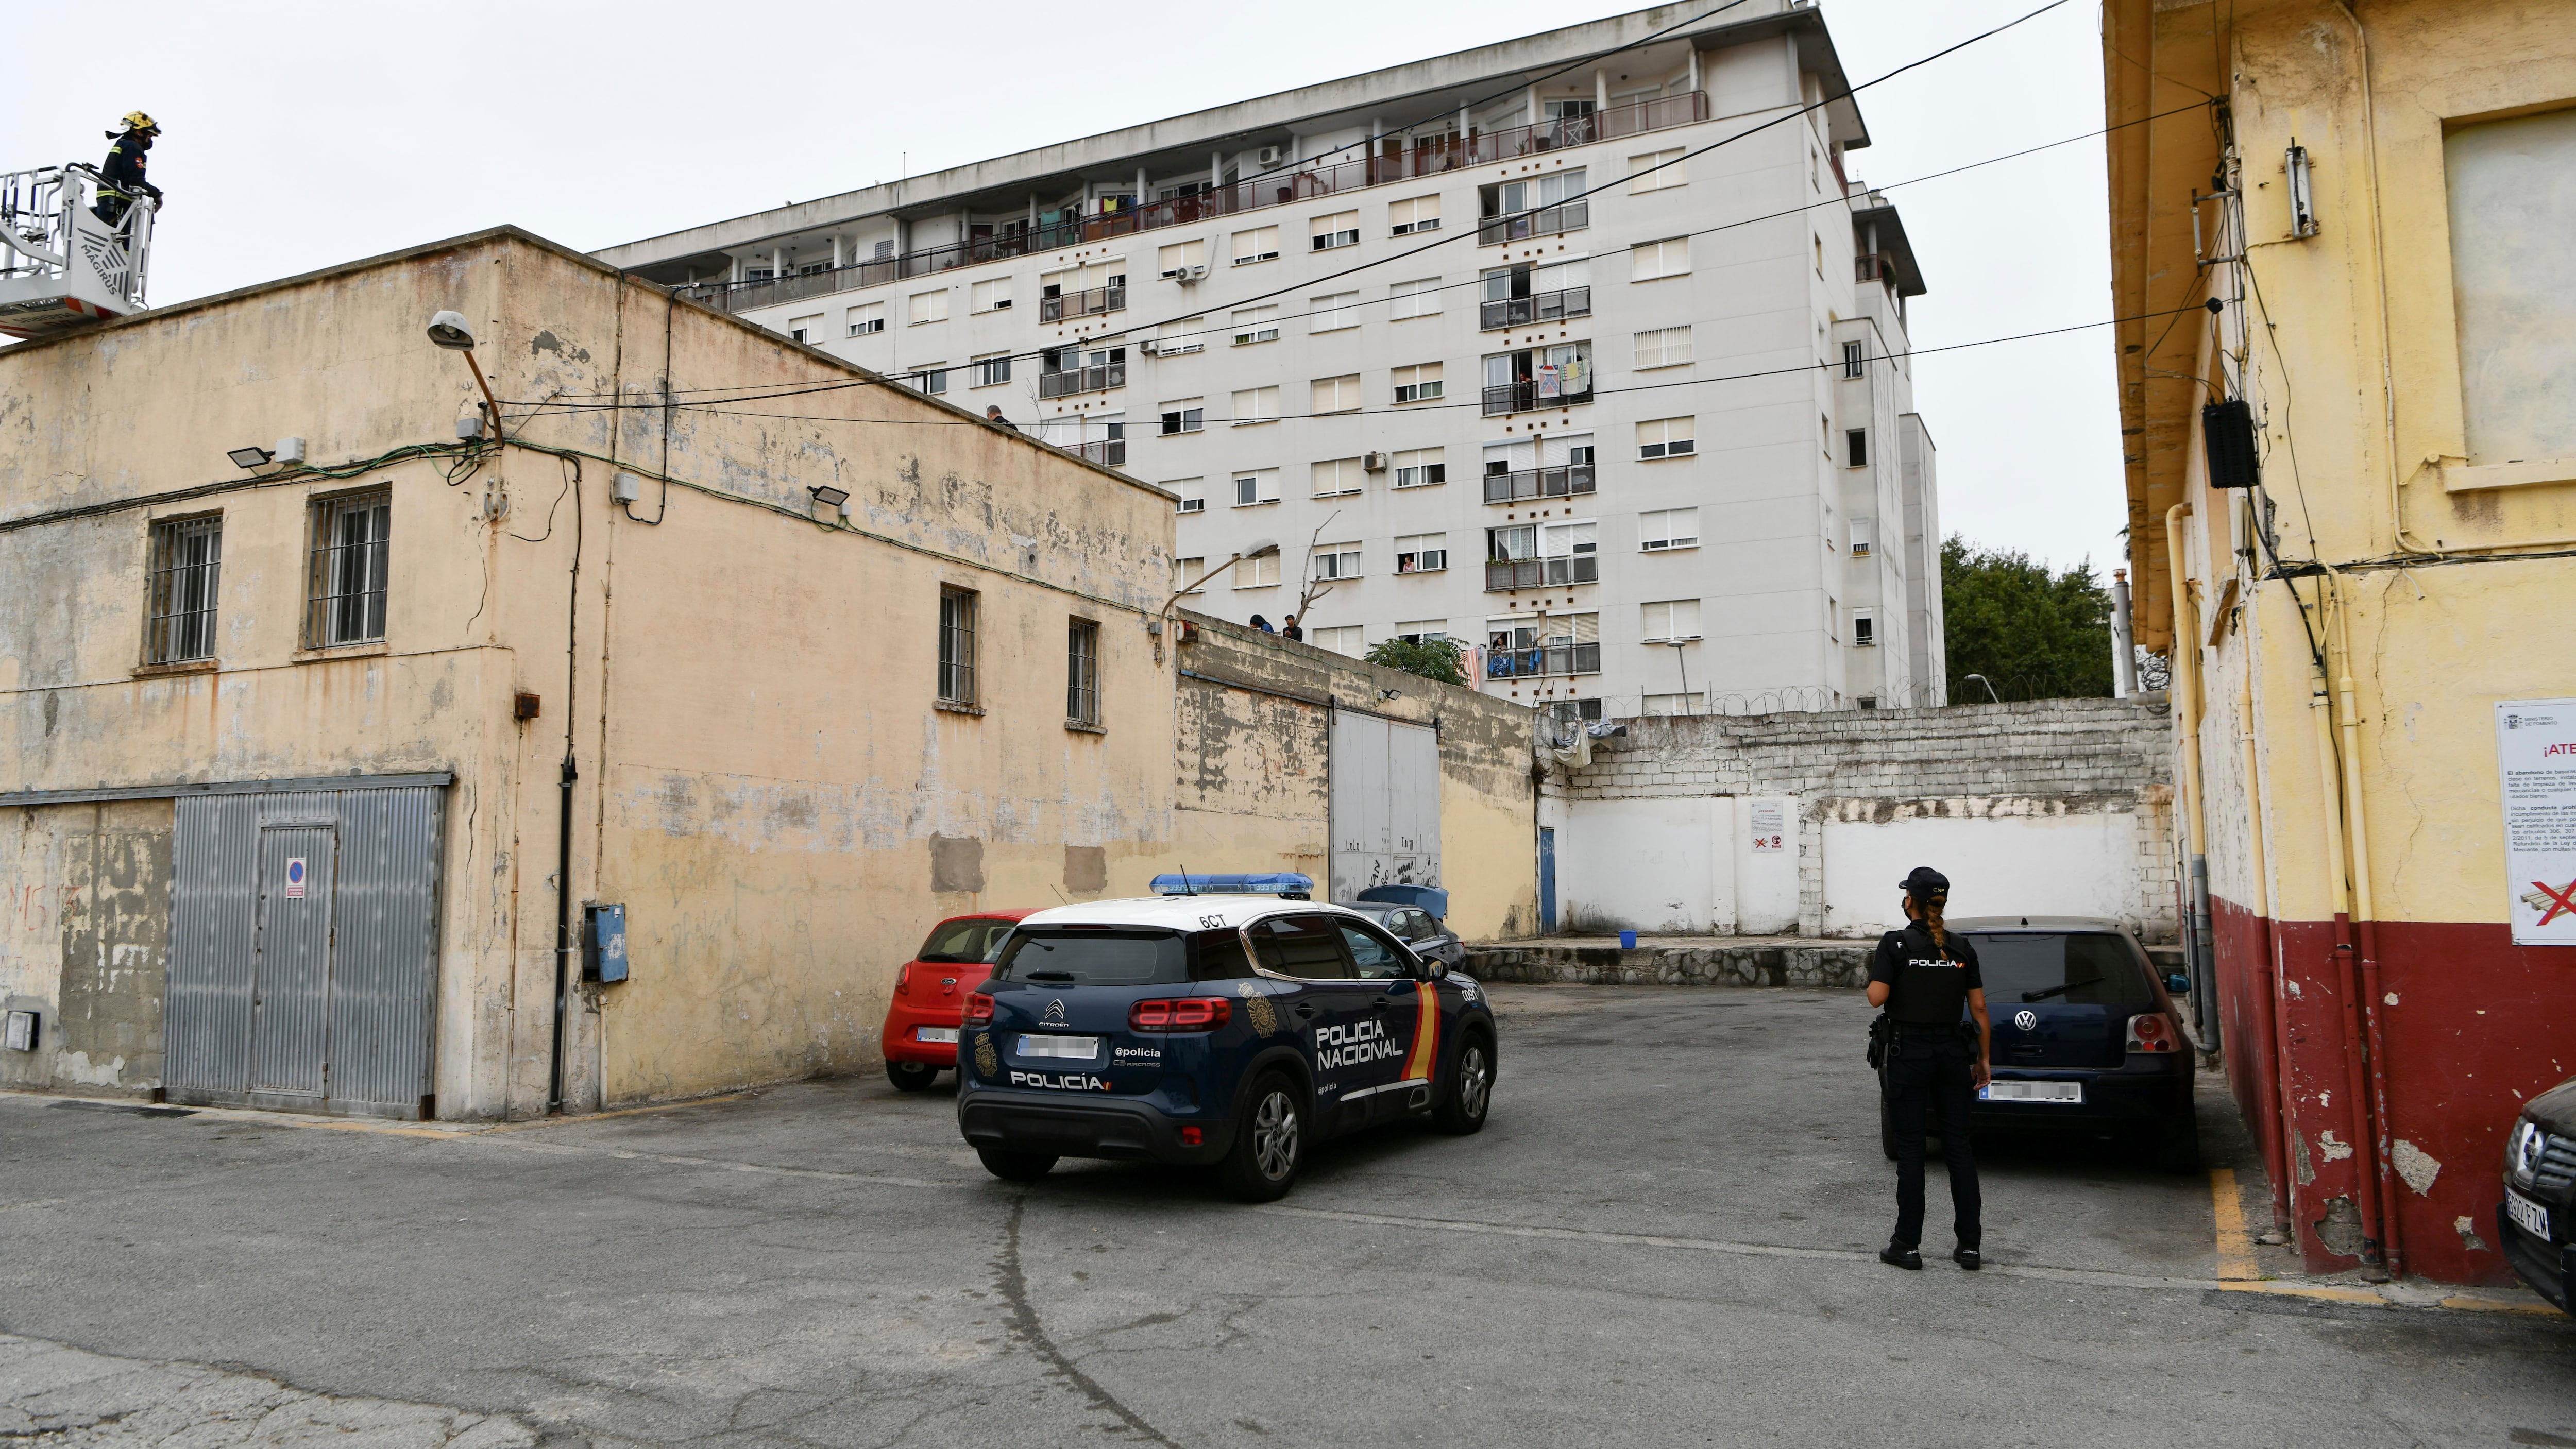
[(303, 950), (1385, 803)]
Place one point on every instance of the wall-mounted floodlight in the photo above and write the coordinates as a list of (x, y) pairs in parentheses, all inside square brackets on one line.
[(2303, 192), (832, 498), (448, 330), (250, 457)]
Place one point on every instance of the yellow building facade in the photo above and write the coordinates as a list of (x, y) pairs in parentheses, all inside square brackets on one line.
[(2341, 236)]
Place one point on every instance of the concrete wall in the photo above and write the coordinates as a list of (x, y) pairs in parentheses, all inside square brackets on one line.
[(2057, 806), (85, 942)]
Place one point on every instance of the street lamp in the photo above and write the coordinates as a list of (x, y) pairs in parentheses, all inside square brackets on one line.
[(1990, 687), (449, 330)]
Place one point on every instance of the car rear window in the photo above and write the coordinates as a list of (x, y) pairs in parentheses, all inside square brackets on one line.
[(1074, 956), (964, 941), (2081, 968)]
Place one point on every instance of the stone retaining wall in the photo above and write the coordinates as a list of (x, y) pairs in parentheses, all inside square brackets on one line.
[(1833, 964)]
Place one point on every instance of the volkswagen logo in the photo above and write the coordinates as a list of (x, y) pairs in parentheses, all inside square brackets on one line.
[(1055, 1011), (2025, 1019)]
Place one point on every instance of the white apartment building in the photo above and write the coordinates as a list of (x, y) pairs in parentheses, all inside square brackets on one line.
[(1478, 340)]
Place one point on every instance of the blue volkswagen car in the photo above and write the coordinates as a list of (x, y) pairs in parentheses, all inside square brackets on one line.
[(2086, 1037), (1229, 1023)]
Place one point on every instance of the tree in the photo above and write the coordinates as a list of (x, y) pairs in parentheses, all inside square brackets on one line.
[(1439, 659), (2033, 633)]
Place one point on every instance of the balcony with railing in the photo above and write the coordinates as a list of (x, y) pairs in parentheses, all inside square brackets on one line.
[(1504, 576), (1432, 156), (1082, 379), (1538, 307), (1547, 659), (1555, 220), (1112, 453), (1530, 393), (1090, 303), (1524, 484)]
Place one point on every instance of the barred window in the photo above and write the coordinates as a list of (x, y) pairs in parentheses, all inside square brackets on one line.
[(957, 645), (187, 568), (1082, 672), (347, 586)]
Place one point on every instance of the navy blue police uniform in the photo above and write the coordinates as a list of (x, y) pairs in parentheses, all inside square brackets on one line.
[(1930, 1064)]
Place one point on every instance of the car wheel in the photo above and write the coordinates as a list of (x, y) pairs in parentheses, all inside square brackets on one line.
[(2178, 1146), (1016, 1166), (1269, 1143), (911, 1076), (1471, 1089)]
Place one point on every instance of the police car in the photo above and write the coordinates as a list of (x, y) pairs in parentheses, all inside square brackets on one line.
[(1227, 1021)]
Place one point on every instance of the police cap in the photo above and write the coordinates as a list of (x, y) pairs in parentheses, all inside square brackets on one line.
[(1924, 882)]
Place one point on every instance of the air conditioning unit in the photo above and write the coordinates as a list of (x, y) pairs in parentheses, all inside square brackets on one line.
[(1267, 156), (1373, 462), (1194, 272), (1147, 346)]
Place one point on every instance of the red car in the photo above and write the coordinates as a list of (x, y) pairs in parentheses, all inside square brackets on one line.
[(920, 1036)]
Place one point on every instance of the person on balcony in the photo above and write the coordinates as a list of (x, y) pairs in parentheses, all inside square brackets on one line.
[(121, 178)]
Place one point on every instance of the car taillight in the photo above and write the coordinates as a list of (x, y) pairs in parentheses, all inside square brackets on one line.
[(903, 980), (2151, 1032), (979, 1007), (1181, 1013)]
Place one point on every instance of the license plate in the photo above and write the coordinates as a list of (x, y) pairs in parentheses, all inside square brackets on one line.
[(2530, 1216), (1073, 1048), (2063, 1093), (947, 1034)]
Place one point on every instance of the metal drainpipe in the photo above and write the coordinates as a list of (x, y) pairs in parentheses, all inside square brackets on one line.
[(563, 814), (2262, 996), (2186, 706), (2357, 835), (2356, 1089), (2124, 653)]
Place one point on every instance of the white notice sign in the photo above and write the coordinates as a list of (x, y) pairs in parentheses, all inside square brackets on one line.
[(1767, 834), (2536, 757)]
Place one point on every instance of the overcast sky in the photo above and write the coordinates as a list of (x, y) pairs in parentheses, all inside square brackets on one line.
[(299, 135)]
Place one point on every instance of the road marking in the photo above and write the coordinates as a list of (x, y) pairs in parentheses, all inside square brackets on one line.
[(2236, 1267)]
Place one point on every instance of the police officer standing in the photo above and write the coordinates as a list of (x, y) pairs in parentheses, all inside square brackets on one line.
[(1924, 976)]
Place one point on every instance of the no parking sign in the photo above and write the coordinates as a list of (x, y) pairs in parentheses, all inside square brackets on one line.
[(295, 877)]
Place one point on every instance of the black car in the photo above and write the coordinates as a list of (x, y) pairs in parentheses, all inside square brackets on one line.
[(2536, 1222), (1412, 914), (2086, 1037)]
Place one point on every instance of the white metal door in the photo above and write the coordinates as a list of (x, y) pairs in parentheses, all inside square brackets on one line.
[(1385, 804)]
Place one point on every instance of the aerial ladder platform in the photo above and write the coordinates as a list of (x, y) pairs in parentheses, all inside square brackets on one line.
[(61, 267)]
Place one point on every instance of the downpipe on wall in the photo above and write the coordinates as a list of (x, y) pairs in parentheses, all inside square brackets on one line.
[(2346, 980), (2185, 696), (2365, 920)]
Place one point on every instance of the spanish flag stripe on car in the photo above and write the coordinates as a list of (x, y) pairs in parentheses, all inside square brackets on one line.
[(1426, 1034)]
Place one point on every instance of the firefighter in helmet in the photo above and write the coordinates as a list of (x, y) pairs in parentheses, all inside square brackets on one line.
[(121, 178)]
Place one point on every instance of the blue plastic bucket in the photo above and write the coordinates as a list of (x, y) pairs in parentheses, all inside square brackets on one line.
[(1627, 940)]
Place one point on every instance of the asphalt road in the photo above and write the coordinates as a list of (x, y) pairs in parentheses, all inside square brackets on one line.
[(1665, 1237)]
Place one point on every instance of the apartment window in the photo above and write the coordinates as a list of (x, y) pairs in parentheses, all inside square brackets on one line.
[(1540, 206), (1180, 337), (928, 378), (1188, 415), (1256, 485), (758, 274), (1664, 528), (1082, 672), (1337, 561), (1421, 213), (1833, 619), (927, 307), (1337, 476), (1257, 244), (1574, 711), (1671, 619), (1666, 438), (1186, 575), (1572, 552), (1668, 704), (1337, 394), (1656, 171), (1422, 553), (187, 574), (347, 588), (1333, 313), (2510, 282), (1419, 468), (1345, 639), (1650, 260), (1855, 364), (1414, 299), (1856, 447), (1862, 534), (993, 294), (1864, 628), (1663, 347), (1512, 544), (1180, 257), (1820, 253), (1418, 383), (992, 370), (1537, 377), (1257, 573), (1255, 324), (1341, 229), (1256, 405), (805, 329), (1193, 493), (1421, 631), (865, 318), (957, 645)]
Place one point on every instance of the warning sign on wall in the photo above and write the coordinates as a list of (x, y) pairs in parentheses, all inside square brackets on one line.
[(1767, 832), (295, 877), (2536, 759)]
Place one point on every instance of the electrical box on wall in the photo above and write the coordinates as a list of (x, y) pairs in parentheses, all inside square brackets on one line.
[(603, 944), (22, 1031)]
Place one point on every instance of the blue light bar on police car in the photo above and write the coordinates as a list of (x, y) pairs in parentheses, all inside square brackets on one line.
[(1274, 883)]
